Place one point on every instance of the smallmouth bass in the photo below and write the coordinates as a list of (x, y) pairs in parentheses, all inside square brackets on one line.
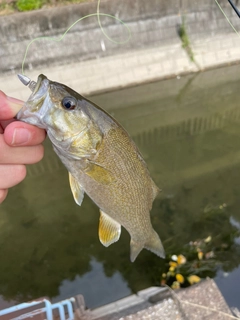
[(101, 159)]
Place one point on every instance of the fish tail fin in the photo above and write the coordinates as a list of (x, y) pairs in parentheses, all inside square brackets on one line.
[(153, 244), (135, 248)]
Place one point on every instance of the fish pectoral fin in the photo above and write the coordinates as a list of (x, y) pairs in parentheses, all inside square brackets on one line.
[(109, 230), (77, 190), (99, 173)]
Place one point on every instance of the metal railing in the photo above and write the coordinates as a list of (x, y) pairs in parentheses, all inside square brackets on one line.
[(64, 308)]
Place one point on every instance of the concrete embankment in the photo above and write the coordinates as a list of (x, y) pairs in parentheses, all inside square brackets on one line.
[(201, 301), (90, 63)]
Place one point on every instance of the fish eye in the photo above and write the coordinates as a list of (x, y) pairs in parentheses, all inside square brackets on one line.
[(69, 103)]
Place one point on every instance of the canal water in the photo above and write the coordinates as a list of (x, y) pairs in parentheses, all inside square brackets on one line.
[(188, 131)]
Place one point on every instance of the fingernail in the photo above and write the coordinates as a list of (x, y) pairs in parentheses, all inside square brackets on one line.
[(20, 136)]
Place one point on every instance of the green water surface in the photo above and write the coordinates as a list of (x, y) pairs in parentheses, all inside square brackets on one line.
[(187, 130)]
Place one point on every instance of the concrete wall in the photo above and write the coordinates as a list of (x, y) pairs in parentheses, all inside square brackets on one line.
[(152, 23)]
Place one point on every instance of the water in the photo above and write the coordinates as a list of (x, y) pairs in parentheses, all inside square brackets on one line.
[(188, 132)]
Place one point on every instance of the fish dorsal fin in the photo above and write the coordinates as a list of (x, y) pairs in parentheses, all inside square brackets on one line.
[(109, 230), (99, 173), (77, 190)]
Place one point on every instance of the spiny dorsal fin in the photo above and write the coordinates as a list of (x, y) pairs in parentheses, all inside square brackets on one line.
[(109, 230), (77, 190)]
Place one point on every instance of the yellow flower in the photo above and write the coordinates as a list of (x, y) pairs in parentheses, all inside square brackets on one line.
[(173, 264), (179, 278), (181, 259), (208, 239), (193, 279), (200, 255)]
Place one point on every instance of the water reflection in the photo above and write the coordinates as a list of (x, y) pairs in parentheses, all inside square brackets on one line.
[(95, 286), (228, 284), (188, 132)]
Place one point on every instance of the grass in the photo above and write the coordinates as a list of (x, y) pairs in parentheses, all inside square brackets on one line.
[(28, 5), (182, 32), (185, 40), (13, 6)]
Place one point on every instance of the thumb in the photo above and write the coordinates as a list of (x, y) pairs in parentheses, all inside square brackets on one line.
[(9, 107)]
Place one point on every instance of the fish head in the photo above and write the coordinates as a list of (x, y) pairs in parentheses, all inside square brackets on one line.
[(54, 107)]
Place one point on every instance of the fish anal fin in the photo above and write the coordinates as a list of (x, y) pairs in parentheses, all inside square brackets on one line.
[(77, 190), (99, 174), (153, 244), (109, 230)]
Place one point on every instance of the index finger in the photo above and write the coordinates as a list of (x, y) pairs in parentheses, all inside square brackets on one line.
[(9, 107)]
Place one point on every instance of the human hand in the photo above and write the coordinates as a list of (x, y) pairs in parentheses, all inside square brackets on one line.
[(20, 144)]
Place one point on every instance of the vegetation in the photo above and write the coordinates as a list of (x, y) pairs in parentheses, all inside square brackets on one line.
[(28, 5), (182, 31), (12, 6), (185, 40)]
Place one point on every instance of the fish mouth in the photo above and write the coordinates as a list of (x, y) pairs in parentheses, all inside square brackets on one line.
[(41, 85), (39, 92), (35, 108)]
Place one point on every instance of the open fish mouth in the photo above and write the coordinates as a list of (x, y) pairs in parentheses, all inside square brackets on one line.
[(34, 109), (40, 88), (33, 86)]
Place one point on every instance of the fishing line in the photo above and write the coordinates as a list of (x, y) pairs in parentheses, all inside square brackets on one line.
[(227, 18), (98, 14), (234, 8)]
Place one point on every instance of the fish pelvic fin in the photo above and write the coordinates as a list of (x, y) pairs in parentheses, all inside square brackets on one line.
[(77, 190), (109, 230), (153, 244)]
